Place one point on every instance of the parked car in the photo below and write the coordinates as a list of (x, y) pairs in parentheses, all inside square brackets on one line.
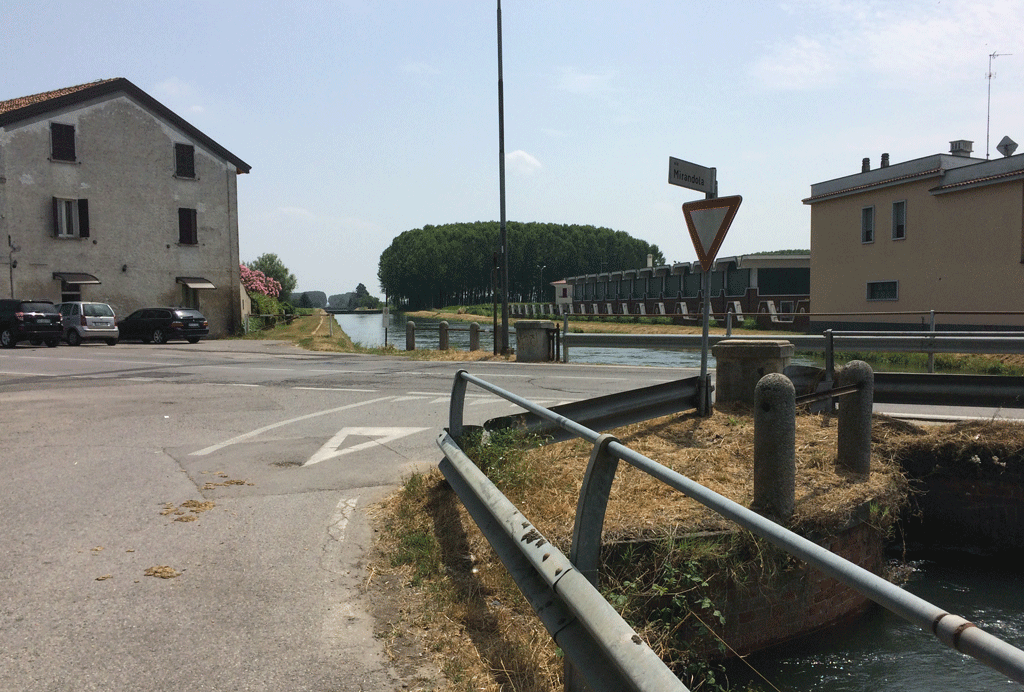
[(36, 321), (159, 325), (88, 322)]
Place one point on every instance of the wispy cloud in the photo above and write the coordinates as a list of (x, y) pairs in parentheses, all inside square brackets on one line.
[(522, 163), (575, 82), (910, 43)]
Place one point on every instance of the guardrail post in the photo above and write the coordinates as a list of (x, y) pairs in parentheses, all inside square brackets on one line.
[(474, 336), (442, 336), (585, 552), (854, 428), (456, 406), (774, 447), (565, 330), (931, 354), (410, 336)]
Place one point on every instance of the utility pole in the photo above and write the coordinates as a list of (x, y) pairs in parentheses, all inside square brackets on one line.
[(501, 184), (988, 115)]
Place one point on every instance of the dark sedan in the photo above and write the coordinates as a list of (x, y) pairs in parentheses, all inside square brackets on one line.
[(160, 325)]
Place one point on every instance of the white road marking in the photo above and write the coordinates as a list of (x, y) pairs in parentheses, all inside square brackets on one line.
[(265, 428), (336, 389), (332, 448), (339, 522)]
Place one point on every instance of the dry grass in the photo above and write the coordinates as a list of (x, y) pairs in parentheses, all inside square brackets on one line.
[(469, 612)]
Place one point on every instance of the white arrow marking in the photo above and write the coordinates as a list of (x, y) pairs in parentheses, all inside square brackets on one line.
[(382, 436)]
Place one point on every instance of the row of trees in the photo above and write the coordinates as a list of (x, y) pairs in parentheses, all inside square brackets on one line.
[(453, 264)]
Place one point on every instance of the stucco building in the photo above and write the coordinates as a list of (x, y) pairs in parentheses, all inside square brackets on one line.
[(943, 232), (107, 195)]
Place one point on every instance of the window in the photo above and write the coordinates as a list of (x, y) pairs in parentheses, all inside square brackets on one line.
[(899, 220), (189, 297), (70, 218), (867, 225), (184, 161), (188, 230), (883, 290), (69, 293), (62, 142)]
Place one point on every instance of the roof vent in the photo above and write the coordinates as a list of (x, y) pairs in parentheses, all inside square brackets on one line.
[(961, 147), (865, 165), (885, 160)]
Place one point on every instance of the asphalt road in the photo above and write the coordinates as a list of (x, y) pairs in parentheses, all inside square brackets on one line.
[(107, 452)]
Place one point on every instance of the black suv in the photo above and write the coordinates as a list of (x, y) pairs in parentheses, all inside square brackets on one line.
[(36, 321), (160, 325)]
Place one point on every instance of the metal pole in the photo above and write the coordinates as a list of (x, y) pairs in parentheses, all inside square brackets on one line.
[(501, 185), (705, 397)]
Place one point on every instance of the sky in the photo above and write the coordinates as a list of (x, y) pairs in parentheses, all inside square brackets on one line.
[(363, 119)]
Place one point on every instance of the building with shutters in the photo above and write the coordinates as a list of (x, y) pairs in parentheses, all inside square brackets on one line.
[(944, 232), (106, 195)]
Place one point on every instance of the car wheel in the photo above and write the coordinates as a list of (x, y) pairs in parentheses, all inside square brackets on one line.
[(7, 339), (193, 339), (111, 342), (159, 337), (74, 338), (52, 343)]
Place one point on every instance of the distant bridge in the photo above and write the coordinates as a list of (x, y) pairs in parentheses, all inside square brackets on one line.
[(338, 311)]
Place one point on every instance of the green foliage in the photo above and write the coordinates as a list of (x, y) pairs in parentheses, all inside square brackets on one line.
[(944, 362), (501, 455), (453, 264), (271, 265), (264, 305)]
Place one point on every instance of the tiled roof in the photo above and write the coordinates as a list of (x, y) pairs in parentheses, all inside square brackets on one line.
[(859, 188), (977, 181), (15, 110), (24, 101)]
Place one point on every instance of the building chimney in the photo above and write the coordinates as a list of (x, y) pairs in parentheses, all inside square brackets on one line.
[(961, 147), (865, 165), (885, 160)]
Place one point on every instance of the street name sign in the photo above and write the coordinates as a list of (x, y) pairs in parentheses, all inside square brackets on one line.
[(708, 221), (692, 176)]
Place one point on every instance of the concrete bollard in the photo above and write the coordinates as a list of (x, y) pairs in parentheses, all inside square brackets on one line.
[(410, 336), (533, 341), (854, 418), (442, 336), (741, 363), (474, 337), (774, 447)]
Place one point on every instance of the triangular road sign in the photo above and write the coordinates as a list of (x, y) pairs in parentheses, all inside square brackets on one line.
[(708, 221)]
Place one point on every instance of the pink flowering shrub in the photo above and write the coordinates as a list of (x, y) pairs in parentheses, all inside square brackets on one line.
[(255, 281)]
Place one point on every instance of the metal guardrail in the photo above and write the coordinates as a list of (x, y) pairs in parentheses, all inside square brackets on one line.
[(594, 637), (916, 342)]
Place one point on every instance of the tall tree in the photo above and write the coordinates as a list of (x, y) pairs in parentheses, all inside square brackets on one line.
[(271, 265)]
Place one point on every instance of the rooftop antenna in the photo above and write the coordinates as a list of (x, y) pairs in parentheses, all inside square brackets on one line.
[(989, 76)]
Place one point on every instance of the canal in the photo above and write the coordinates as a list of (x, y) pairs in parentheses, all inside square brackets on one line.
[(879, 652)]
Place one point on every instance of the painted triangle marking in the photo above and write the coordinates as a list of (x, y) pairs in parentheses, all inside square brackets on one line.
[(332, 449)]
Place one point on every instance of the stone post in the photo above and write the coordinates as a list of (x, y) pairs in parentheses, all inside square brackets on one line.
[(410, 336), (854, 427), (741, 363), (442, 336), (474, 336), (774, 447)]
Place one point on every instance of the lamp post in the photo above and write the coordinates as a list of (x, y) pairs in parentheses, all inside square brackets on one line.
[(540, 297)]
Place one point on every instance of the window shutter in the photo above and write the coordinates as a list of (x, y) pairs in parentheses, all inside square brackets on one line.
[(62, 142), (83, 218), (56, 217)]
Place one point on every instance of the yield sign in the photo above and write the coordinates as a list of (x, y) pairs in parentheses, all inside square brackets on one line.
[(378, 437), (708, 221)]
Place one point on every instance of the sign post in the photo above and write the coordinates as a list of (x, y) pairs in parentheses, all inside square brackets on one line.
[(708, 221)]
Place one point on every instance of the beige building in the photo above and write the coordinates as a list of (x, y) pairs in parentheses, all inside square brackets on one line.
[(107, 195), (943, 233)]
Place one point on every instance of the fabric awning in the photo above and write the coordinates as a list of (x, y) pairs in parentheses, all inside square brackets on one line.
[(195, 282), (76, 278)]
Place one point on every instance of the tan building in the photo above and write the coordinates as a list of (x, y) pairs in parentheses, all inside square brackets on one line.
[(943, 233), (107, 195)]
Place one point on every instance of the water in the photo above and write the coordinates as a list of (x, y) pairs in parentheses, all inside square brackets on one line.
[(368, 330), (883, 652)]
